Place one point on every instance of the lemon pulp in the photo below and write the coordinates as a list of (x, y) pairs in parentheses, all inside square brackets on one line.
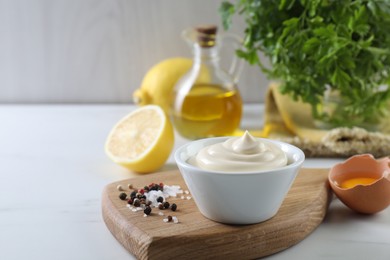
[(142, 141)]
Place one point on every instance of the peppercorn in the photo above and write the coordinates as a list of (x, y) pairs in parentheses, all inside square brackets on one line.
[(160, 205), (136, 203), (122, 196), (166, 204), (169, 218), (148, 203), (161, 185), (147, 210), (142, 201), (143, 197), (142, 191), (138, 195), (160, 199), (173, 207), (130, 201), (146, 188), (133, 194)]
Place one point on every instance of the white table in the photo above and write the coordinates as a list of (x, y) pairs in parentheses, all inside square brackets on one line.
[(53, 169)]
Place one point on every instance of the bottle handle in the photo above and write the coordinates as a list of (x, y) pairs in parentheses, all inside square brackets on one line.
[(237, 63)]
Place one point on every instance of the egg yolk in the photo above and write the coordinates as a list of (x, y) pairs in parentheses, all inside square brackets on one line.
[(350, 183)]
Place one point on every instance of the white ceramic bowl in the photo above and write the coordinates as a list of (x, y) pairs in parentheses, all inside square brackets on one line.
[(242, 197)]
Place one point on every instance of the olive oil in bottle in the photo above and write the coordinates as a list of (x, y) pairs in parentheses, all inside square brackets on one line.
[(208, 110), (205, 101)]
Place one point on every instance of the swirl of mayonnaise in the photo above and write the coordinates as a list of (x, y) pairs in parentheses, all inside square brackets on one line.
[(240, 154)]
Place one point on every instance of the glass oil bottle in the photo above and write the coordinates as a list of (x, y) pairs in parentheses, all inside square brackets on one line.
[(205, 101)]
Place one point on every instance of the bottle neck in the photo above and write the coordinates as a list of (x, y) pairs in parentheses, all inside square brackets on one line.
[(205, 54)]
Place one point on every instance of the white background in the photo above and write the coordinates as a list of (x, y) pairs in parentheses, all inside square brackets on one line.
[(97, 51)]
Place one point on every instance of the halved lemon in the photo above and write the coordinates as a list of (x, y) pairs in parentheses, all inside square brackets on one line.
[(141, 141)]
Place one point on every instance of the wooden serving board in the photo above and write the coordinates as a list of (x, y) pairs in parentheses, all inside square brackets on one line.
[(196, 237)]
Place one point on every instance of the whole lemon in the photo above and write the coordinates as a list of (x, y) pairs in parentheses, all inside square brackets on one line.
[(159, 81)]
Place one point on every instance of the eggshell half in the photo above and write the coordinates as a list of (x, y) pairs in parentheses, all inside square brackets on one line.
[(367, 199)]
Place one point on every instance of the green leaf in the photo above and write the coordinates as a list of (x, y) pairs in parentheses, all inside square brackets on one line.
[(379, 51), (325, 32), (311, 44), (362, 29), (292, 22), (250, 56), (226, 10), (340, 78)]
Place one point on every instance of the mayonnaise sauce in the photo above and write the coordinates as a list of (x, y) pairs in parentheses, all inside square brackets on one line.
[(240, 154)]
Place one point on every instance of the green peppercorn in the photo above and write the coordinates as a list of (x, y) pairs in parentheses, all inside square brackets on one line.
[(173, 207), (122, 196), (147, 210)]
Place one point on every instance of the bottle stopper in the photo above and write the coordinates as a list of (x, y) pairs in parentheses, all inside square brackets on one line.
[(207, 35)]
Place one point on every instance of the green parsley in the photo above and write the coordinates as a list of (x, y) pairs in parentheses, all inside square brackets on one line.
[(313, 45)]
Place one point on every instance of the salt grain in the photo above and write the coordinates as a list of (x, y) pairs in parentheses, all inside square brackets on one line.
[(165, 220), (188, 197), (168, 191), (160, 213), (145, 215), (182, 197), (175, 220), (186, 192), (119, 187)]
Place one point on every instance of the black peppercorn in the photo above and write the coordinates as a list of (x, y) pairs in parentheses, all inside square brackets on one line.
[(173, 207), (133, 194), (169, 218), (122, 196), (160, 206), (147, 210), (160, 199), (138, 195), (136, 203), (166, 204)]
